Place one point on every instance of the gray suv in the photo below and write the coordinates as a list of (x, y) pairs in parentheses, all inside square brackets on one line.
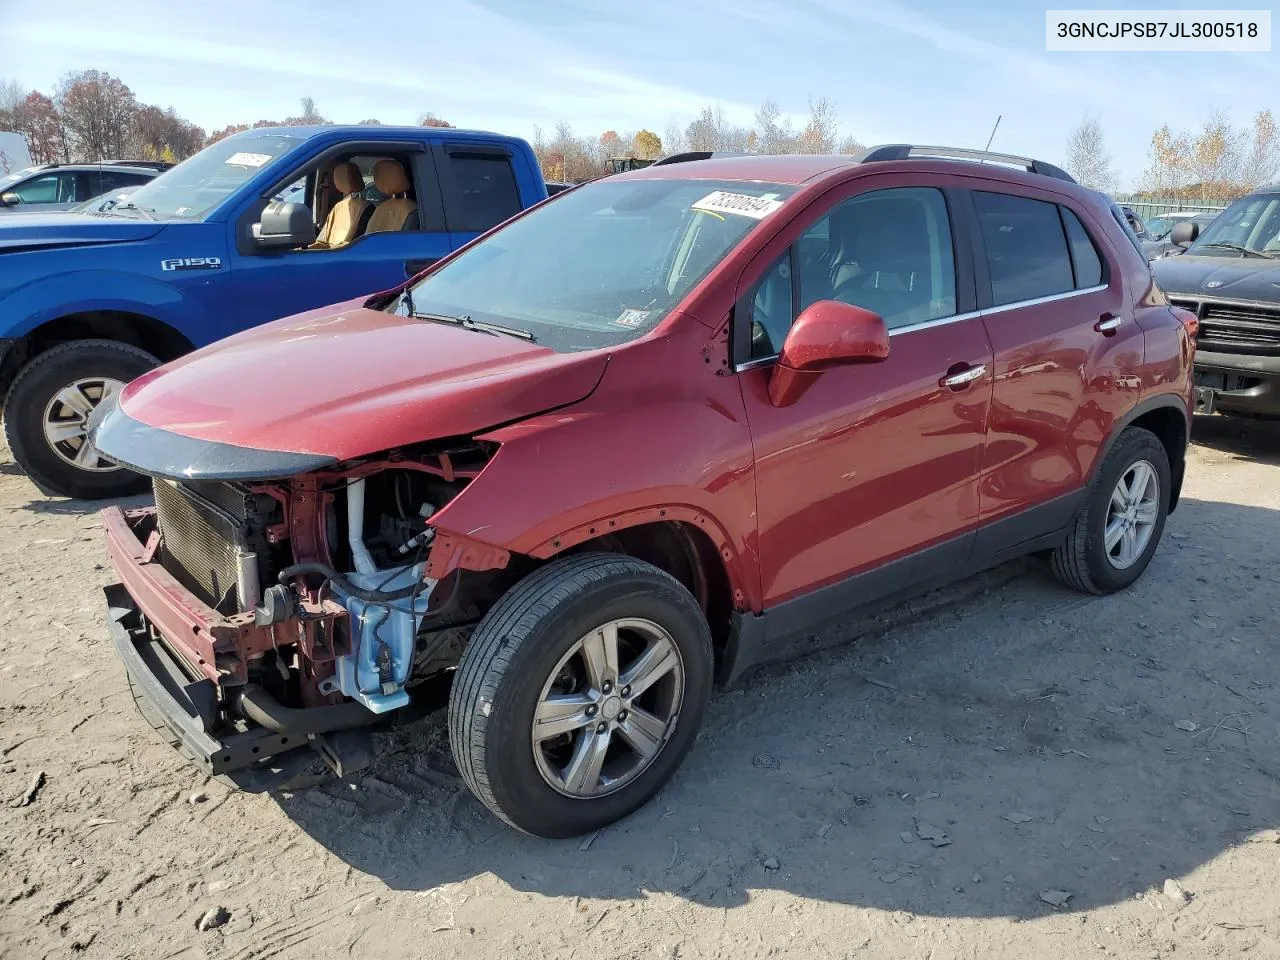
[(61, 186)]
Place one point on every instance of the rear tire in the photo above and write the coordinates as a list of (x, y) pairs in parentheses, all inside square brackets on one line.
[(528, 645), (1093, 559), (31, 403)]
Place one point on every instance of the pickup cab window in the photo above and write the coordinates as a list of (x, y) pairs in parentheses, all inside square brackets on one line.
[(194, 187), (603, 264)]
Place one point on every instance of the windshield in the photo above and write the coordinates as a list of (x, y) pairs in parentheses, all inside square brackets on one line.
[(602, 264), (15, 177), (197, 185), (1250, 225)]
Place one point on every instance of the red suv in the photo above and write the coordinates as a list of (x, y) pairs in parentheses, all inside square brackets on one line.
[(631, 442)]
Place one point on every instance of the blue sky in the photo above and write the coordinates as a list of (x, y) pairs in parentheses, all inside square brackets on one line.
[(920, 71)]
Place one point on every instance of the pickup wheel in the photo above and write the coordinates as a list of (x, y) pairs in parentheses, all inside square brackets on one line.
[(580, 693), (1117, 529), (47, 410)]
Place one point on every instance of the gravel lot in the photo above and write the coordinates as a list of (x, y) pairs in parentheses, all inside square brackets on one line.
[(1008, 770)]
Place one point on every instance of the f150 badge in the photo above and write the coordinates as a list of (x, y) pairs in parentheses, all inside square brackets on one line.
[(192, 263)]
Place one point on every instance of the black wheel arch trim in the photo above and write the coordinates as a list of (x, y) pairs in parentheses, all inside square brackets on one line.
[(1161, 401)]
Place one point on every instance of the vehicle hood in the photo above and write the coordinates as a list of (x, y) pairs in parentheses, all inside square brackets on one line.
[(1212, 278), (346, 381), (30, 231)]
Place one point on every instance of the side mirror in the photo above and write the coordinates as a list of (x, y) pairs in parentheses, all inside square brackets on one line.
[(9, 199), (284, 225), (1185, 233), (826, 334)]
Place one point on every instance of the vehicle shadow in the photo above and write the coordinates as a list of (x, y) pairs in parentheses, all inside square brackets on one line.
[(1257, 440), (1022, 741)]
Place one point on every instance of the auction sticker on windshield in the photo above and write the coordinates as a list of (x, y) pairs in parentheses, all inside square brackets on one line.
[(740, 204), (248, 159)]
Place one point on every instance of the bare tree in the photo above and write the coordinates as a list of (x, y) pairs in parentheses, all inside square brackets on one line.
[(819, 134), (773, 131), (1087, 157), (852, 146), (97, 112), (710, 131), (673, 139), (11, 97), (1262, 162)]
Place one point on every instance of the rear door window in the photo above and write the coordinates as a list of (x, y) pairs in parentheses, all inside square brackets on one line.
[(1026, 247), (479, 187)]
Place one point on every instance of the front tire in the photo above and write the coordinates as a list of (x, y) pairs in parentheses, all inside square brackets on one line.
[(46, 417), (580, 693), (1118, 527)]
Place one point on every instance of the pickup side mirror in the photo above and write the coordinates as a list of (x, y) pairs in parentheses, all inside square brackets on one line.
[(1185, 233), (9, 199), (826, 334), (284, 225)]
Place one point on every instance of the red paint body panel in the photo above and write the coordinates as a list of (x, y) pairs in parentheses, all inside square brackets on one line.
[(347, 381), (873, 462), (642, 440)]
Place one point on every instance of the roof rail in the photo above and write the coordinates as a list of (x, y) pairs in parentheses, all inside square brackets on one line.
[(154, 164), (908, 151), (697, 155)]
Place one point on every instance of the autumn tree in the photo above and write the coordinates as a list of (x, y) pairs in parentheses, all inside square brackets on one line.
[(646, 145), (226, 131), (1215, 158), (163, 135), (97, 113), (1261, 163), (36, 118), (1087, 157), (819, 134), (431, 120)]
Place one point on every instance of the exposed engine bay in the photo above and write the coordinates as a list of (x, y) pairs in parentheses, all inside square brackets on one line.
[(327, 573)]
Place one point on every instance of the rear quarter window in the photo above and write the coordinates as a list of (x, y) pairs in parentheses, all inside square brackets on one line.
[(1084, 253)]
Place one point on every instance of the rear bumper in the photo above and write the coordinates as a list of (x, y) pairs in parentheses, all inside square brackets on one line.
[(1240, 382)]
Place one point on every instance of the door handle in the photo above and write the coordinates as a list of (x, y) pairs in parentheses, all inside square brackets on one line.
[(1108, 323), (414, 267), (963, 377)]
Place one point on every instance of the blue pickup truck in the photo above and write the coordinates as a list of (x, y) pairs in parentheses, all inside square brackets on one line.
[(264, 224)]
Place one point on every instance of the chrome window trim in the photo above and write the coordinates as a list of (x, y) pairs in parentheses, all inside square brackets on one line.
[(1035, 301), (954, 318)]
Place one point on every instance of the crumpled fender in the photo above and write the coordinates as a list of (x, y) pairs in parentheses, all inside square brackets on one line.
[(619, 458)]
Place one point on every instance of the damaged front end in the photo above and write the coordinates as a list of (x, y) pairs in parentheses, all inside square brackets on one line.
[(255, 615)]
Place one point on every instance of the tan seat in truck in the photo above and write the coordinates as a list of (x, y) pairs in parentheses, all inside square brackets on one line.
[(397, 212), (346, 219)]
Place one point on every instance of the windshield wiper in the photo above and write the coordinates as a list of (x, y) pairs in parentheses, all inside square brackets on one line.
[(467, 323), (149, 214), (1227, 245)]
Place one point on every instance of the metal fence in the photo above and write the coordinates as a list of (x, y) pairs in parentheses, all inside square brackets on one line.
[(1146, 209)]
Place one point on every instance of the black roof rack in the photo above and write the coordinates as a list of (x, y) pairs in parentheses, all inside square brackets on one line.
[(908, 151), (154, 164), (697, 155)]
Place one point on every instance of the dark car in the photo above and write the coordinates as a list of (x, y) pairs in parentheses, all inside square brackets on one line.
[(1229, 275), (819, 382), (63, 186)]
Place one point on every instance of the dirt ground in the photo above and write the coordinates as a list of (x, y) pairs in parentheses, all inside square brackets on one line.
[(1007, 770)]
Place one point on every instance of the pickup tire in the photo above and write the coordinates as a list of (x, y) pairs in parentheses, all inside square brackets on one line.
[(82, 366), (527, 666), (1109, 544)]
